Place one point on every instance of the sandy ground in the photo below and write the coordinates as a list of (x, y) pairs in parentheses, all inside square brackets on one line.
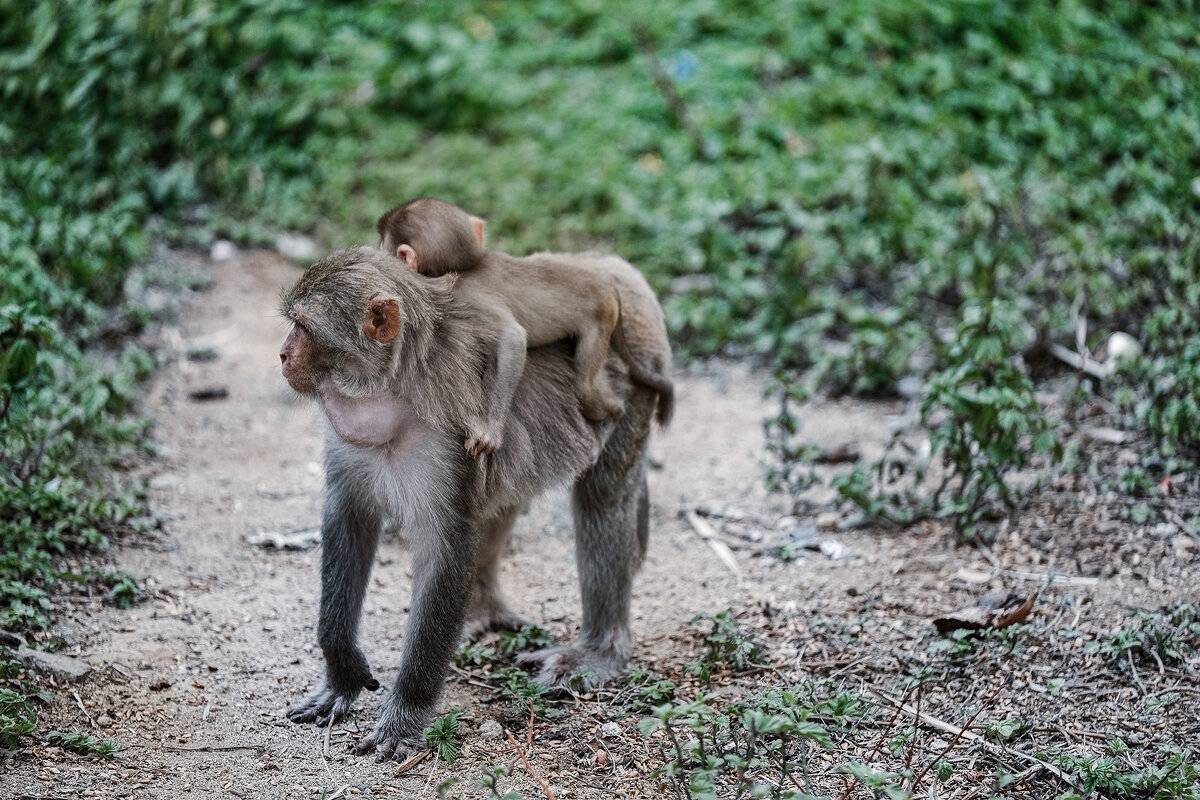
[(193, 682)]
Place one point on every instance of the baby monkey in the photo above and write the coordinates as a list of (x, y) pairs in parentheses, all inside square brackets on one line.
[(529, 302)]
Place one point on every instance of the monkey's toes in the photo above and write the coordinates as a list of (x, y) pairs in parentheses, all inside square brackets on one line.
[(494, 620), (572, 667), (387, 746), (481, 445)]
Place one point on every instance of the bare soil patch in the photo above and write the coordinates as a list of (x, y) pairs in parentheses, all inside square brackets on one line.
[(193, 682)]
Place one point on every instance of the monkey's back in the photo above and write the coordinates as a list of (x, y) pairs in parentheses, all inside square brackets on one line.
[(641, 315)]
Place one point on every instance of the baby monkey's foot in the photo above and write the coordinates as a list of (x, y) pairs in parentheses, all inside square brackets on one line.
[(598, 407)]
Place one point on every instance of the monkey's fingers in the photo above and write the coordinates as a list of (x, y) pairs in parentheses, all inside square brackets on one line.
[(324, 707), (386, 747), (478, 446)]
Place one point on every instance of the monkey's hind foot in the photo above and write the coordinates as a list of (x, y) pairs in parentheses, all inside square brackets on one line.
[(573, 667), (388, 747), (495, 619)]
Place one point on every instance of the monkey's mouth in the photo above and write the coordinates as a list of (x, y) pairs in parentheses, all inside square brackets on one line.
[(300, 382)]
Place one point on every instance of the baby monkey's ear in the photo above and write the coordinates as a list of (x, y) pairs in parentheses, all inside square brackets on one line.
[(409, 256), (478, 224)]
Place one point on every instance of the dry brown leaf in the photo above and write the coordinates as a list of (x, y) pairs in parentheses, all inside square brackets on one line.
[(994, 610)]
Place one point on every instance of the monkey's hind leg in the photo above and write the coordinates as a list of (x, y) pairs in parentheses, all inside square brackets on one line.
[(611, 510), (489, 611)]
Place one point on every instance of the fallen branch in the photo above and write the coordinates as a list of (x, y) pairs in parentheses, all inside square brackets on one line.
[(709, 534), (413, 761), (1081, 362), (529, 728), (1181, 523), (1047, 578), (258, 748)]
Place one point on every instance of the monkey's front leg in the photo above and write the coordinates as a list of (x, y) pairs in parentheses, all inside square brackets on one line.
[(443, 582), (350, 528)]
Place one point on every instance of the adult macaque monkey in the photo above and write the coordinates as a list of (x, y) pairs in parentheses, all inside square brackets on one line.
[(532, 301), (395, 361)]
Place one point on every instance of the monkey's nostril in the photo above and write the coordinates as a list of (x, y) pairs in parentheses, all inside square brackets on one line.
[(283, 358)]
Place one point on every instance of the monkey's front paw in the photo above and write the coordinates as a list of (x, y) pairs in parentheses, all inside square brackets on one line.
[(326, 706), (389, 744)]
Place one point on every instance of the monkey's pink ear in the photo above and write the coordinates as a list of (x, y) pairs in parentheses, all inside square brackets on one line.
[(409, 256), (478, 224), (383, 319)]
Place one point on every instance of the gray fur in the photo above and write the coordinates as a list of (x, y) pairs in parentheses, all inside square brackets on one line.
[(457, 510)]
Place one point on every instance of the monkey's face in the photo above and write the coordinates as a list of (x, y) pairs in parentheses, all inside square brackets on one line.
[(297, 357), (346, 323)]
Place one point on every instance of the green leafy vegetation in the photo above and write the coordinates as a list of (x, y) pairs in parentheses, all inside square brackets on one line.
[(764, 734), (17, 717), (509, 681), (866, 196), (19, 701), (529, 637), (491, 782), (726, 647), (442, 735), (83, 743), (1170, 637)]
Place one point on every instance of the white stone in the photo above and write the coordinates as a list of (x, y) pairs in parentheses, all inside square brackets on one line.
[(222, 250)]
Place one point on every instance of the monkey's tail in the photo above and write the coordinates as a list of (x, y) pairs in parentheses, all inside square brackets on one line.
[(643, 374)]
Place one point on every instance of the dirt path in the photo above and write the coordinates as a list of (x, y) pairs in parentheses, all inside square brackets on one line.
[(193, 682)]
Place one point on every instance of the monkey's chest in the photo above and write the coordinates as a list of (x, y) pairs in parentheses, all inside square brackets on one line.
[(409, 477)]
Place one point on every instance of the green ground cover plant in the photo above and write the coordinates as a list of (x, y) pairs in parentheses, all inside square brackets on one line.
[(867, 196)]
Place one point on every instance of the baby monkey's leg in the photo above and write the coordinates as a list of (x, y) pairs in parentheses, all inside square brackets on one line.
[(596, 397)]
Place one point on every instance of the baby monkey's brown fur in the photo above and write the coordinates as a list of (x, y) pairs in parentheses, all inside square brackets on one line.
[(533, 301)]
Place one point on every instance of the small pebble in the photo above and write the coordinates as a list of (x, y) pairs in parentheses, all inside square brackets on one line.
[(222, 250), (490, 729), (611, 729)]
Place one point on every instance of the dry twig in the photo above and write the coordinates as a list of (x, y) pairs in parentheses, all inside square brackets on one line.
[(670, 94), (413, 761), (964, 733), (529, 767)]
